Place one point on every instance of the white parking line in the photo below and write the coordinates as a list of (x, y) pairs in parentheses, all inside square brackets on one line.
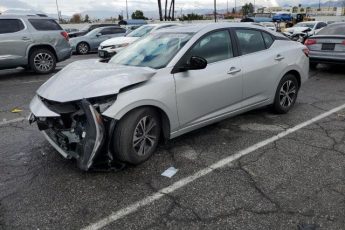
[(185, 181), (12, 121)]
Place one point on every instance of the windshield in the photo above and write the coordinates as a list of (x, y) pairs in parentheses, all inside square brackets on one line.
[(85, 28), (333, 30), (141, 31), (154, 51), (303, 24), (93, 33)]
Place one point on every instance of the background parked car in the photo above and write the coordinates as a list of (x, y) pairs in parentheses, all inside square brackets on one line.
[(282, 17), (269, 25), (92, 40), (89, 28), (32, 42), (110, 47), (311, 27), (327, 46)]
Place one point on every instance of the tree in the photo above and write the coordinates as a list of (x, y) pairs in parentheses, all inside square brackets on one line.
[(76, 18), (233, 11), (138, 14), (160, 10), (301, 10), (120, 18), (87, 19), (294, 9), (190, 17), (248, 9)]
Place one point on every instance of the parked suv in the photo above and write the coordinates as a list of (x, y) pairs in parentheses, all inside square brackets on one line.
[(32, 42)]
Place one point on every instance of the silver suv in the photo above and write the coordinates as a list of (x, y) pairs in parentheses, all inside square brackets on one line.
[(32, 42)]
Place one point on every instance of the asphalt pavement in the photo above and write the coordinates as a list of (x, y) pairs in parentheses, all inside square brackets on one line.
[(295, 181)]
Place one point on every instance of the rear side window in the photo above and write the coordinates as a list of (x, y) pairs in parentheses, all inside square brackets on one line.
[(213, 47), (10, 26), (45, 24), (250, 41), (268, 39)]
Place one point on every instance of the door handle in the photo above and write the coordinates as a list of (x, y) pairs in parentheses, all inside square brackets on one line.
[(234, 70), (279, 57), (25, 39)]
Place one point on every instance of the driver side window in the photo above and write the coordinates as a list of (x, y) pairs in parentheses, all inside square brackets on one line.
[(213, 47)]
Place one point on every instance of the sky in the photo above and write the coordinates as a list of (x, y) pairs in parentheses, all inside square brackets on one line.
[(69, 7)]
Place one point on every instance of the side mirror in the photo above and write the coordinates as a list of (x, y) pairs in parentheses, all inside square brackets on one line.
[(98, 34), (195, 63)]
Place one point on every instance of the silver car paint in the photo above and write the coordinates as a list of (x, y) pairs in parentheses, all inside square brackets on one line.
[(15, 47), (91, 78), (193, 99)]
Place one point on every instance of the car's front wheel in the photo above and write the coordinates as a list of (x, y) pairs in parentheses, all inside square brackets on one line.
[(286, 94), (83, 48), (136, 135)]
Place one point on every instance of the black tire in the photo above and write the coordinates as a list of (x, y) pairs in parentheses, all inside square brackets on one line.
[(42, 61), (128, 139), (288, 88), (83, 48), (313, 65)]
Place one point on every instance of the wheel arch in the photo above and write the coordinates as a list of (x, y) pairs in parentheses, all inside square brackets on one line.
[(297, 75), (166, 120), (42, 46)]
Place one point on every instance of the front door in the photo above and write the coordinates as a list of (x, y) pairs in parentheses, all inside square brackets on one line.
[(213, 91)]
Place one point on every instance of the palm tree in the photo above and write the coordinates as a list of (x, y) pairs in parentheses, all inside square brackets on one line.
[(160, 10)]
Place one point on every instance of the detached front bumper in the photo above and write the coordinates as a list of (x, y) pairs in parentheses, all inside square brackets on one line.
[(79, 133)]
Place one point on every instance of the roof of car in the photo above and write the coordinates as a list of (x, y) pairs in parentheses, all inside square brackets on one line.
[(194, 28), (15, 16)]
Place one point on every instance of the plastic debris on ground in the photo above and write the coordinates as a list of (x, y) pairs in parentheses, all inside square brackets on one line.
[(16, 110), (170, 172)]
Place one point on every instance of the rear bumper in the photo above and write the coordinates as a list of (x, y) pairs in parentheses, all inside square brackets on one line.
[(64, 54), (327, 57)]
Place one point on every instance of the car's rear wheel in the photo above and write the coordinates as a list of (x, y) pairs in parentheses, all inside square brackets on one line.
[(42, 61), (286, 94), (137, 135), (83, 48)]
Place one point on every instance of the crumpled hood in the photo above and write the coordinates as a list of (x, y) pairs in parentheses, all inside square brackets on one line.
[(91, 78), (295, 30), (118, 41)]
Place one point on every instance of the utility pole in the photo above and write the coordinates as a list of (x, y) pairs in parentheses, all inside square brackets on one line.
[(215, 10), (127, 10), (58, 11), (235, 6), (254, 6), (319, 5), (227, 6)]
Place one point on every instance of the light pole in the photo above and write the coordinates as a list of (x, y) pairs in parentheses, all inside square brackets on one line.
[(58, 12), (215, 10), (127, 9)]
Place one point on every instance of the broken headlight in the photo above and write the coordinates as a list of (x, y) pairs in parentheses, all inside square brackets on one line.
[(103, 103)]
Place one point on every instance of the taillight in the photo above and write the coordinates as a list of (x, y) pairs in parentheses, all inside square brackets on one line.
[(310, 42), (306, 52), (343, 42), (65, 35)]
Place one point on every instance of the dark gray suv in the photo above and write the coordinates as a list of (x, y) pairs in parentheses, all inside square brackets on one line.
[(32, 42)]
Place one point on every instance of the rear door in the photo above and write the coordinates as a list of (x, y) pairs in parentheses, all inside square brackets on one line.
[(261, 64), (14, 41), (214, 91)]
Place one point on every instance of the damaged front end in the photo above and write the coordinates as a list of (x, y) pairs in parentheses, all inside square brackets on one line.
[(76, 129)]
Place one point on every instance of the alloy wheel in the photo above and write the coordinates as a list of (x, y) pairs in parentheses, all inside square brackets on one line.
[(287, 94), (83, 48), (145, 135), (43, 62)]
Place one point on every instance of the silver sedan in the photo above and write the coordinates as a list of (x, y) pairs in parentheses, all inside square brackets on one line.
[(169, 83), (327, 46)]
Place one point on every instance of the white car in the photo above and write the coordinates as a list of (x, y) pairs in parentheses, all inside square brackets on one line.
[(269, 25), (164, 85), (311, 27), (110, 47)]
